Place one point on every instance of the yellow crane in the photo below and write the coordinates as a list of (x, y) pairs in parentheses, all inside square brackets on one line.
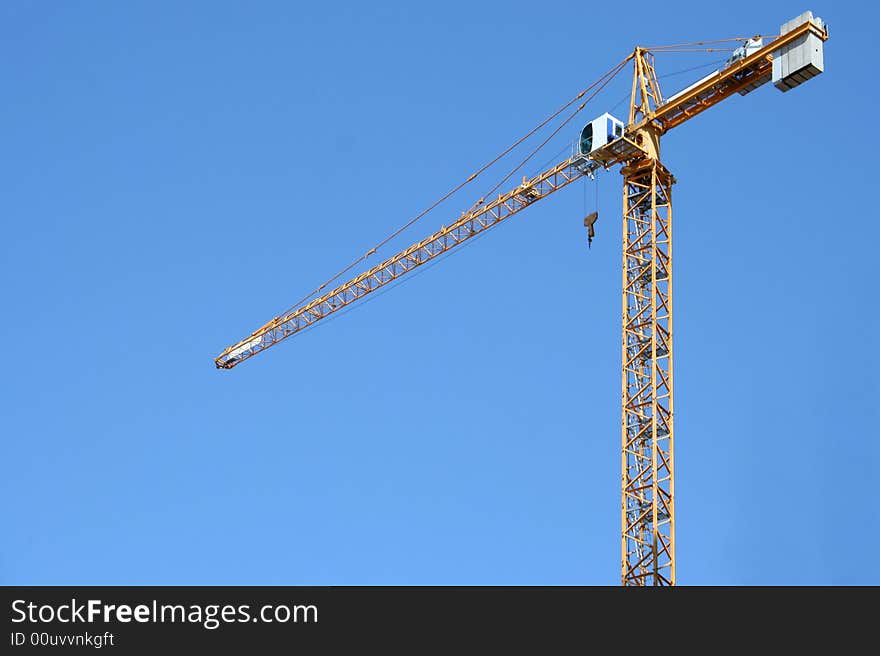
[(647, 431)]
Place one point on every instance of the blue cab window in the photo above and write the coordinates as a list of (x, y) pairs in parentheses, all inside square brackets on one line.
[(587, 139)]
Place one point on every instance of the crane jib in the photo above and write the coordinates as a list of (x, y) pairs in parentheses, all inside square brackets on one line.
[(471, 223)]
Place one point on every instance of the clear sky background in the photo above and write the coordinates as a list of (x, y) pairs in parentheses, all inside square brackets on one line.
[(175, 174)]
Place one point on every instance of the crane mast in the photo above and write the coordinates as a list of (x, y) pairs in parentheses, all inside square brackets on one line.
[(647, 414), (647, 495)]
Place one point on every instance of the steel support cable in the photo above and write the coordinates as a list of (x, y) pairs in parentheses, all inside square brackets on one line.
[(691, 69), (615, 69), (673, 74), (610, 75), (694, 50), (703, 43)]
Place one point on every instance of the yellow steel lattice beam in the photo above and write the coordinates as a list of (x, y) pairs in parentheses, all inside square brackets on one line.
[(470, 224), (647, 499)]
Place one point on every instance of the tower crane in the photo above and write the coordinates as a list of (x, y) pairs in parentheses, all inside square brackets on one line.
[(647, 414)]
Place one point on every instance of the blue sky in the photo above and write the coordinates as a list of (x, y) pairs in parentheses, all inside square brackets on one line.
[(174, 176)]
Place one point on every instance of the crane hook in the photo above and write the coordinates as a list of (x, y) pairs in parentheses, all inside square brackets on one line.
[(589, 222)]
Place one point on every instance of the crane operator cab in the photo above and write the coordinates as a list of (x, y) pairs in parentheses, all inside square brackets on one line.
[(599, 132)]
